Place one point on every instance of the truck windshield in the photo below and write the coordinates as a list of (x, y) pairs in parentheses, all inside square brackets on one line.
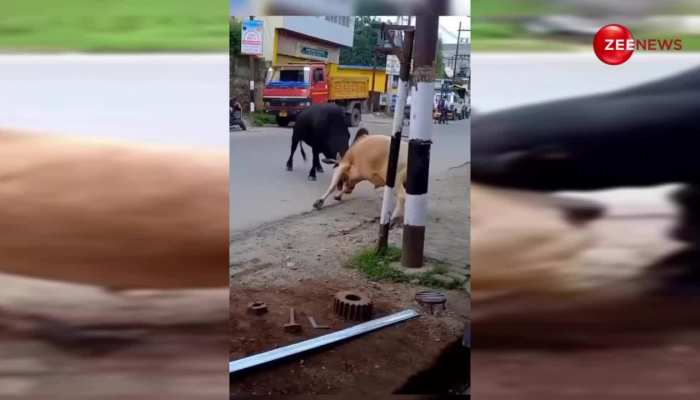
[(287, 75)]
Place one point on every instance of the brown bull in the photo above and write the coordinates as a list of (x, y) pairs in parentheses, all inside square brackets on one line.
[(367, 160)]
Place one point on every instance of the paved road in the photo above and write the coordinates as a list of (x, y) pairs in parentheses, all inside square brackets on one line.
[(158, 99), (507, 80), (262, 190)]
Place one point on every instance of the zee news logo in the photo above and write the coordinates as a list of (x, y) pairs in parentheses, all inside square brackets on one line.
[(614, 44)]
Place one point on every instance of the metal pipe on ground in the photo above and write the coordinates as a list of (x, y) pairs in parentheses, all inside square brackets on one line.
[(320, 341)]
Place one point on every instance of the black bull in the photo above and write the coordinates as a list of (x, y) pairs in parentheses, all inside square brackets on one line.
[(325, 129), (641, 136)]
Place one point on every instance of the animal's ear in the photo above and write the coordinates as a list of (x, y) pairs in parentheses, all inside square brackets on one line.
[(360, 133)]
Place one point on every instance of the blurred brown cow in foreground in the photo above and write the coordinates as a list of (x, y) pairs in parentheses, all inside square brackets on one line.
[(107, 215), (112, 215)]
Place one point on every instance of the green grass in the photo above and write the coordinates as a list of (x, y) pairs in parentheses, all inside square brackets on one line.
[(114, 25), (261, 119), (490, 8), (376, 267)]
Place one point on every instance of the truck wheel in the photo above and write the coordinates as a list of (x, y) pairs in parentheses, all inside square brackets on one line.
[(355, 117), (282, 121)]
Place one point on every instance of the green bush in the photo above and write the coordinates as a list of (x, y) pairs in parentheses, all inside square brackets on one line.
[(261, 119)]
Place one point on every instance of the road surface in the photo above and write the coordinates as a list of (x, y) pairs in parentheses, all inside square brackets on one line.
[(262, 190), (163, 99), (508, 80)]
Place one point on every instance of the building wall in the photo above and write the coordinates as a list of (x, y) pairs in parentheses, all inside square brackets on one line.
[(330, 30), (270, 25), (291, 47), (338, 30)]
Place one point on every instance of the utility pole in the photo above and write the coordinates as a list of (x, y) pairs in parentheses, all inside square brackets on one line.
[(454, 66), (420, 139), (389, 198), (251, 66), (456, 55), (371, 89)]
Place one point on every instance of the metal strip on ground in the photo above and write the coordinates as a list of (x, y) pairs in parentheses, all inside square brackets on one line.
[(296, 348)]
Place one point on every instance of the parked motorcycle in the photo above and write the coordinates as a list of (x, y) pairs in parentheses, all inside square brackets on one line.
[(235, 116)]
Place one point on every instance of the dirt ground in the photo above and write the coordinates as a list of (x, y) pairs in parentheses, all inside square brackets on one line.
[(301, 262), (379, 362)]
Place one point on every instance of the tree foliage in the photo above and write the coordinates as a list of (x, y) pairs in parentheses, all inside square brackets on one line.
[(364, 42), (234, 36), (439, 62)]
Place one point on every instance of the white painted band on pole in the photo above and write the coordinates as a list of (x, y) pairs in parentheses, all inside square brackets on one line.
[(400, 106), (388, 204), (416, 209), (422, 111), (296, 348), (252, 85), (252, 107)]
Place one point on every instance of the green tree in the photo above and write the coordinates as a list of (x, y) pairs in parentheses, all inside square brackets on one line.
[(364, 42), (439, 62), (234, 36)]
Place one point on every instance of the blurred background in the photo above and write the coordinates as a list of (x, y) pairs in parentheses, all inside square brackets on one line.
[(350, 7), (568, 25), (150, 72), (152, 76), (640, 343)]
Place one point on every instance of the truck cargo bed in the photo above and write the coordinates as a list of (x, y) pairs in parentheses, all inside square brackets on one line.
[(348, 88)]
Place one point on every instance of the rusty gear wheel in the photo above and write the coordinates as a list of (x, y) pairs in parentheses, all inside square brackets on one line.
[(352, 305)]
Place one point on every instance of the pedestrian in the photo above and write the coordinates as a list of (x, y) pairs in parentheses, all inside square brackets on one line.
[(442, 108)]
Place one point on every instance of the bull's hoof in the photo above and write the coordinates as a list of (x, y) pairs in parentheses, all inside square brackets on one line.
[(319, 169), (318, 204), (338, 198), (396, 222), (289, 167), (311, 178)]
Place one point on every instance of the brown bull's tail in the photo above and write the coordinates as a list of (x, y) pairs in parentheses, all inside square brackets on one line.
[(362, 132)]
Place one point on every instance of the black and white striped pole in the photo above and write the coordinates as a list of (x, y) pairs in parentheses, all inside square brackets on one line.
[(389, 199), (420, 139)]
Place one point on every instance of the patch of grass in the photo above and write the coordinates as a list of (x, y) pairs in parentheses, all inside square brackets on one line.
[(490, 8), (114, 26), (261, 119), (376, 267), (429, 279)]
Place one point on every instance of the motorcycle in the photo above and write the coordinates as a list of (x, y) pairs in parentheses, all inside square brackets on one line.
[(235, 116)]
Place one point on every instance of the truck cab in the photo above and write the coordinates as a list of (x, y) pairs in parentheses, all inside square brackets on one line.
[(287, 91), (291, 88)]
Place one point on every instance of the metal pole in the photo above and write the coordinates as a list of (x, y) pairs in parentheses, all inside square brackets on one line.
[(426, 38), (371, 89), (251, 66), (454, 66), (389, 199)]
